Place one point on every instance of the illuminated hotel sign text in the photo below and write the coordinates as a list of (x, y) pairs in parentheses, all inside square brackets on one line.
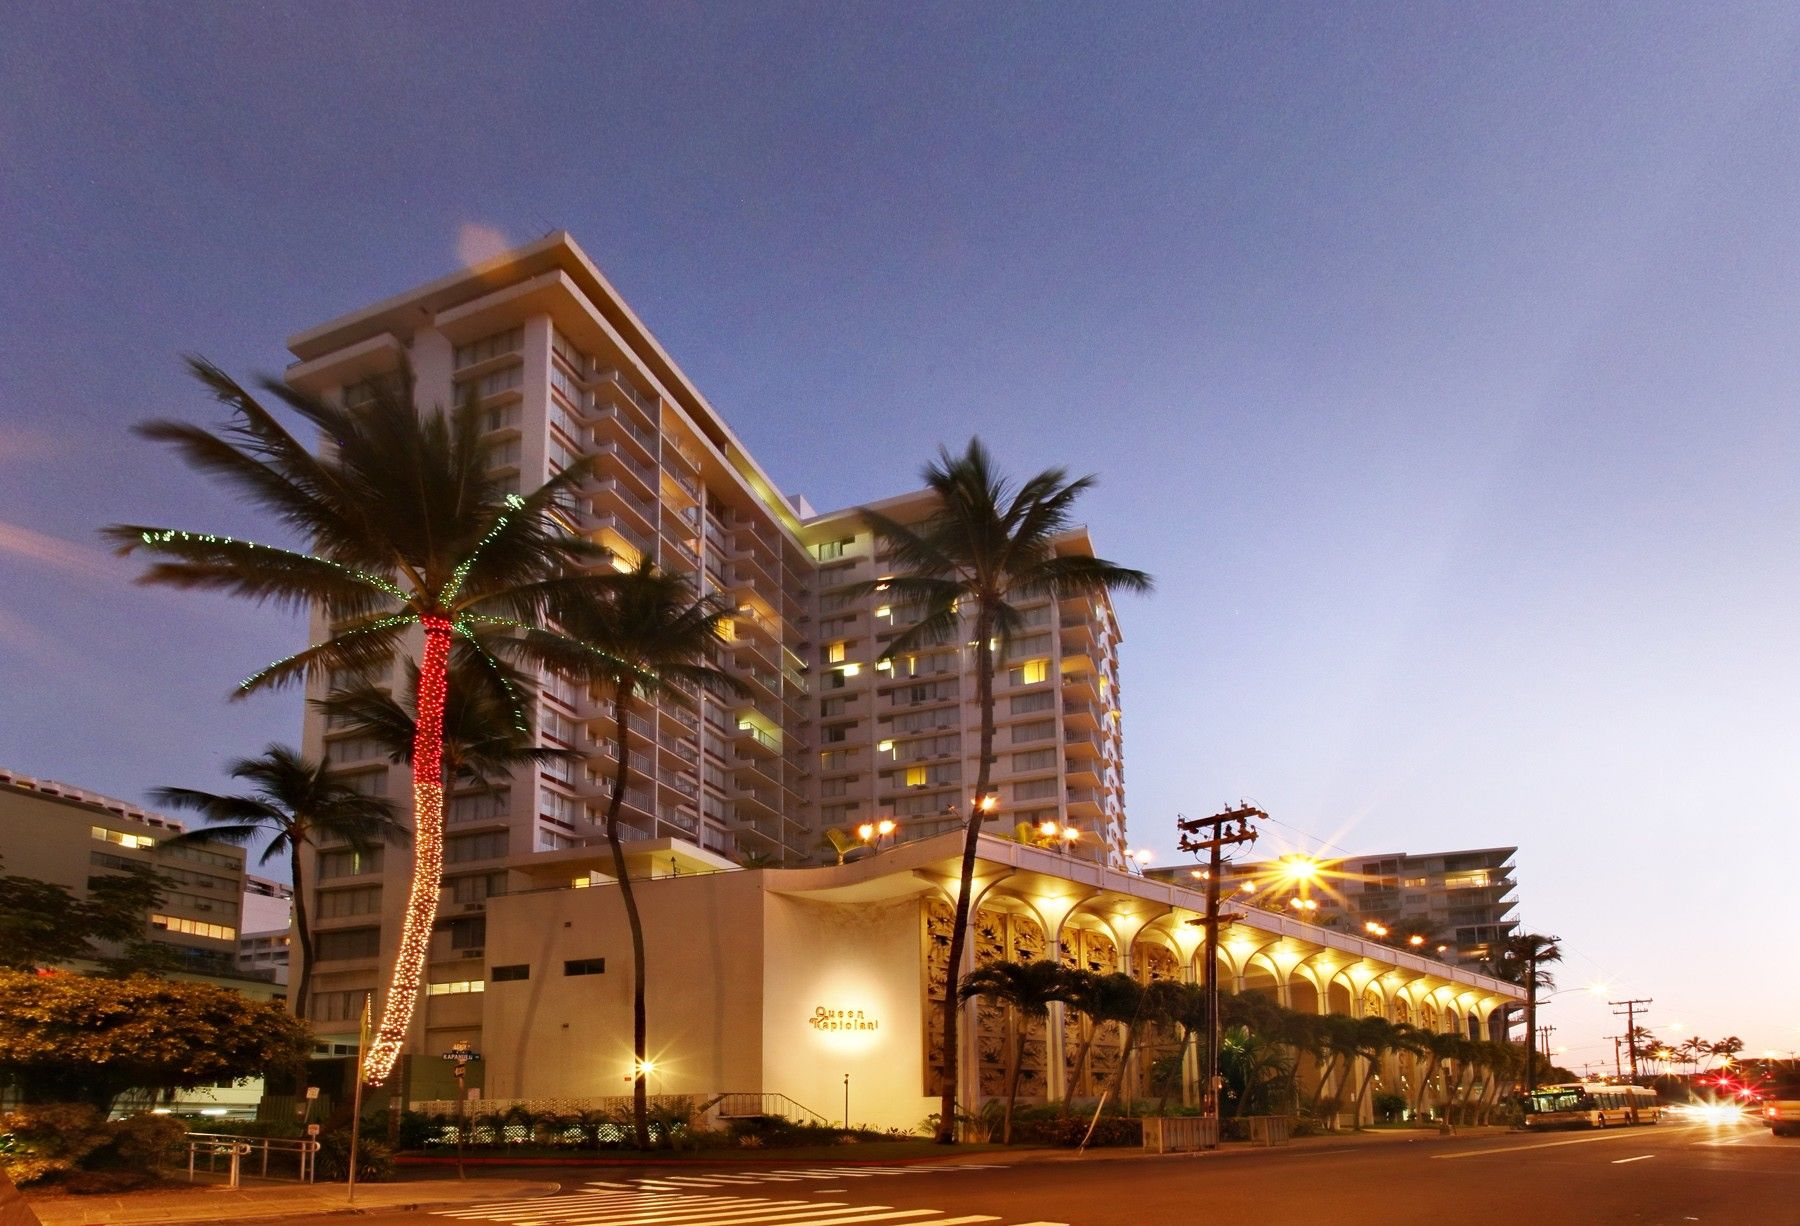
[(842, 1019)]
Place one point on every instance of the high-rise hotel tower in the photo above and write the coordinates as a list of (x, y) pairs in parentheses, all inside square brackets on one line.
[(827, 736)]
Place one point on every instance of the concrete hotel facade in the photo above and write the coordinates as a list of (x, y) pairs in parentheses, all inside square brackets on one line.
[(825, 739)]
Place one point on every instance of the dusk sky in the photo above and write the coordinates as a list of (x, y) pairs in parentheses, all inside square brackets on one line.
[(1440, 361)]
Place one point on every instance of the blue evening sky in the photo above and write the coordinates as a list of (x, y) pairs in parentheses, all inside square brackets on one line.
[(1440, 361)]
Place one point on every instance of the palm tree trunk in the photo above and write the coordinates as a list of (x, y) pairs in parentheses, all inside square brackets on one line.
[(428, 850), (959, 929), (1431, 1068), (1081, 1059), (1325, 1072), (1021, 1025), (302, 933), (640, 1093)]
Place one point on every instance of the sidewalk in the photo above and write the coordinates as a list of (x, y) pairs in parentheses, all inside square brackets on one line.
[(1233, 1149), (273, 1200)]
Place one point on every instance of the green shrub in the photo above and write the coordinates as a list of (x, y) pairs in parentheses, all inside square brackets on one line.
[(145, 1143), (39, 1144), (62, 1141), (1390, 1108), (1052, 1126), (374, 1159)]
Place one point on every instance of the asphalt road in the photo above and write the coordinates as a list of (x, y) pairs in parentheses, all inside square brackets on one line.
[(1733, 1175)]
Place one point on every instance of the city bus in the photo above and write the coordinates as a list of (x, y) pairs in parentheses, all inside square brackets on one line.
[(1590, 1104)]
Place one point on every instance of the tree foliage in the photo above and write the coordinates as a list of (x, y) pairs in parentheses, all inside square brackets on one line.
[(82, 1039), (44, 924)]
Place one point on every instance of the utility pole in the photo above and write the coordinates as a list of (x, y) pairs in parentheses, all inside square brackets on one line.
[(1220, 831), (1631, 1009), (1544, 1033), (1618, 1069)]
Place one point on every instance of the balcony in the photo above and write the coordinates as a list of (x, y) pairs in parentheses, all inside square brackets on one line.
[(1085, 802), (1085, 716), (628, 538), (617, 433), (612, 494), (750, 737), (614, 385)]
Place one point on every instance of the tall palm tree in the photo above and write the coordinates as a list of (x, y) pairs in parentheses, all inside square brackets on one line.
[(296, 804), (1523, 959), (983, 547), (1027, 989), (405, 527), (649, 629)]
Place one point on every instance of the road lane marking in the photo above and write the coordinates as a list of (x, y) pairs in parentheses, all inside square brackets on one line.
[(1514, 1149), (1639, 1158)]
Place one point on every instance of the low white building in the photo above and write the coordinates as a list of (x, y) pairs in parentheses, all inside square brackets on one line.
[(789, 981)]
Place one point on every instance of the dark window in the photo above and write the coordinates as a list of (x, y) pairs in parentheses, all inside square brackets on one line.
[(468, 932), (585, 966), (502, 974)]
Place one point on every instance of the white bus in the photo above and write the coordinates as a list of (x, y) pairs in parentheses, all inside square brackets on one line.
[(1590, 1104)]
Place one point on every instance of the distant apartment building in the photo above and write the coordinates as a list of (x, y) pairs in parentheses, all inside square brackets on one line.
[(72, 837), (899, 736), (1465, 896), (268, 917), (821, 736)]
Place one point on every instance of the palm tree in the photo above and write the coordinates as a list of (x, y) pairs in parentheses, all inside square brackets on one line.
[(487, 731), (1101, 999), (1522, 959), (1439, 1048), (1339, 1037), (1027, 989), (296, 803), (1375, 1036), (405, 527), (984, 546), (649, 629)]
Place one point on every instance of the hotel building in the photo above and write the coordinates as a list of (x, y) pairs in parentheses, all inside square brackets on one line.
[(823, 740)]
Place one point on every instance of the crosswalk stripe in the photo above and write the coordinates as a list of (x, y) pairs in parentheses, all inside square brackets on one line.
[(687, 1200), (794, 1215)]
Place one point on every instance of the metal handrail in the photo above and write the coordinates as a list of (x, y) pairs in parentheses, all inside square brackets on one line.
[(750, 1104), (216, 1145)]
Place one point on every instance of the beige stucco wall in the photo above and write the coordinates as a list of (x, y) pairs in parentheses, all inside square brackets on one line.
[(846, 958), (557, 1036)]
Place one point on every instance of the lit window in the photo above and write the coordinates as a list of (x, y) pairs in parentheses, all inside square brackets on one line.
[(460, 987), (915, 777), (886, 611), (834, 653), (135, 841), (1031, 672), (851, 670), (193, 927), (885, 747)]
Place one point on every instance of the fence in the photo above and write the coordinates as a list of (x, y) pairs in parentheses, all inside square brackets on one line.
[(1174, 1134), (293, 1159), (1269, 1129)]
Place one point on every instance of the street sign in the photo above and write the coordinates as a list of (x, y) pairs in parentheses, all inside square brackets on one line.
[(312, 1130), (312, 1091)]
